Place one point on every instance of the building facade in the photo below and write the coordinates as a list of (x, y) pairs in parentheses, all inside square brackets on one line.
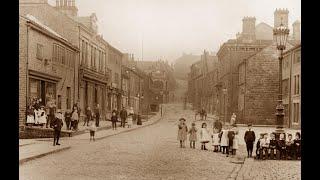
[(47, 66), (291, 86), (259, 87)]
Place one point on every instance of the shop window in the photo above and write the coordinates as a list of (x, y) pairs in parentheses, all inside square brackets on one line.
[(50, 91), (34, 88)]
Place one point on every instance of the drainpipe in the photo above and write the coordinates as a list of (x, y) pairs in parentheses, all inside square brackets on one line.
[(27, 68)]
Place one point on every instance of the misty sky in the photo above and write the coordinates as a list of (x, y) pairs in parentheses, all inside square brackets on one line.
[(170, 27)]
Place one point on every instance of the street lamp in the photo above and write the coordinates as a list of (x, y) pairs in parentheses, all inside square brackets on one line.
[(224, 96), (280, 35)]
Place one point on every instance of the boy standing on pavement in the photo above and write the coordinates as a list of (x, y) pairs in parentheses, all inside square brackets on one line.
[(57, 125), (249, 138)]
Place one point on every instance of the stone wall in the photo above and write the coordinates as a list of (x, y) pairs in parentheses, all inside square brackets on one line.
[(262, 86)]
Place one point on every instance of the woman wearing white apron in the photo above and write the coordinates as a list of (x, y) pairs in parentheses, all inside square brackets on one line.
[(130, 117), (43, 116)]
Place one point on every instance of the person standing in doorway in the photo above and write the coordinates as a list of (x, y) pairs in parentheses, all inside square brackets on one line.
[(249, 138), (57, 125), (123, 116), (97, 114)]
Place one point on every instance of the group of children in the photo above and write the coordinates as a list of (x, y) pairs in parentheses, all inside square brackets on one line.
[(226, 140), (280, 148)]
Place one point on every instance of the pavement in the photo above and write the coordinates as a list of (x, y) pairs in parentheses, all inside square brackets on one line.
[(30, 149), (152, 152)]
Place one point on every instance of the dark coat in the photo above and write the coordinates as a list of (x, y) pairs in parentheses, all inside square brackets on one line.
[(249, 136), (297, 143), (114, 118), (218, 125), (273, 144), (89, 114), (57, 124), (231, 135), (281, 144), (123, 114)]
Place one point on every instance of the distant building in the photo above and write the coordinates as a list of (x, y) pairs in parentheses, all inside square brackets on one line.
[(182, 65), (291, 86), (201, 83)]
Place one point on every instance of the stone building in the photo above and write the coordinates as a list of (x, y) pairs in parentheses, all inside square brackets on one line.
[(259, 87), (202, 80), (98, 71), (132, 84), (93, 75), (163, 81), (232, 53), (291, 86), (47, 66), (114, 65)]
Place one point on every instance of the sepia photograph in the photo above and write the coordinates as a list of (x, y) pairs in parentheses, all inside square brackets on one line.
[(159, 89)]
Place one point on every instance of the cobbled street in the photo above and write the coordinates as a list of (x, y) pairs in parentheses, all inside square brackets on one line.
[(152, 152)]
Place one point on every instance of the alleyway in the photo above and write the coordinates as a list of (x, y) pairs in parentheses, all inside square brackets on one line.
[(148, 153)]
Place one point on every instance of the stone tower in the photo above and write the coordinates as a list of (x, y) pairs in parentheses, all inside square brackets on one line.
[(248, 29), (67, 6), (296, 30), (281, 16)]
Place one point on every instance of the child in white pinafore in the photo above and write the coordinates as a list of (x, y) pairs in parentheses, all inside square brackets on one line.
[(215, 140), (235, 145), (92, 129)]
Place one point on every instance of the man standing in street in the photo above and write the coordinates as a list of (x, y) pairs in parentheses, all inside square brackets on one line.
[(249, 138), (57, 125), (97, 113), (123, 116)]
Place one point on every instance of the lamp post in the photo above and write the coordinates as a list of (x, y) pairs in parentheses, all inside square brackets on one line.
[(224, 97), (280, 35)]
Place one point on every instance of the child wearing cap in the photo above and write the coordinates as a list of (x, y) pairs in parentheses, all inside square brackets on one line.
[(193, 136), (57, 125), (182, 132), (224, 142), (249, 138)]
